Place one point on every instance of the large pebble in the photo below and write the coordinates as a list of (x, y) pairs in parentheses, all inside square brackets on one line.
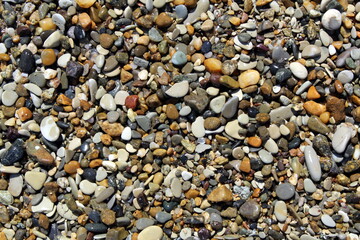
[(341, 138), (331, 19), (178, 90), (280, 211), (9, 97), (49, 129), (197, 127), (107, 102), (151, 233), (35, 179), (298, 70), (312, 163), (285, 191)]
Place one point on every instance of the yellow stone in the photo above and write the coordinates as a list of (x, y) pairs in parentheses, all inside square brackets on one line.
[(220, 194), (213, 65), (47, 24), (85, 3), (248, 78)]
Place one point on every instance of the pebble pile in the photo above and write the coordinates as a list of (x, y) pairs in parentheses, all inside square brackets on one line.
[(179, 119)]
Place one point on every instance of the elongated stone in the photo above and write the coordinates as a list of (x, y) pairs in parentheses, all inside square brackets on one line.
[(312, 163), (280, 211), (341, 138)]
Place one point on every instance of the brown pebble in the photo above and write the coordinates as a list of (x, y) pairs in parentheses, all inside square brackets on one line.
[(48, 57), (172, 112), (71, 167)]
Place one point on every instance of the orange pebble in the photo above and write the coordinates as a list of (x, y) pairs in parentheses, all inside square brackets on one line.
[(245, 165), (24, 114), (71, 167), (313, 93), (324, 117), (314, 108), (254, 141), (47, 24)]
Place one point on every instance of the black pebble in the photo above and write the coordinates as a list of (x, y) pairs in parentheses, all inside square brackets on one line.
[(27, 62)]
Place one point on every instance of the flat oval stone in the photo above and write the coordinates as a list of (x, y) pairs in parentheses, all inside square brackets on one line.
[(285, 191), (328, 221), (175, 187), (298, 70), (49, 129), (178, 90), (311, 51), (309, 186), (312, 163), (265, 156), (107, 102), (9, 97), (35, 179), (280, 211), (331, 19), (250, 210), (197, 127), (341, 138), (15, 184), (151, 233)]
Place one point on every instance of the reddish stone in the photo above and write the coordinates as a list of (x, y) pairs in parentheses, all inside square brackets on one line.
[(132, 101)]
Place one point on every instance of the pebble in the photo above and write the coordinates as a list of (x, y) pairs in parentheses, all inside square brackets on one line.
[(151, 233), (248, 78), (178, 90), (280, 211), (250, 210), (312, 163), (328, 221), (35, 179), (285, 191), (49, 129), (331, 19), (341, 138), (309, 186), (298, 70)]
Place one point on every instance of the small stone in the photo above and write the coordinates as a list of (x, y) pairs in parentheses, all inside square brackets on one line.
[(71, 167), (212, 123), (27, 62), (74, 70), (178, 90), (85, 3), (309, 186), (49, 129), (341, 138), (163, 20), (172, 112), (24, 114), (35, 179), (179, 58), (331, 19), (312, 163), (107, 102), (250, 210), (14, 154), (314, 108), (298, 70), (280, 211), (285, 191), (213, 65), (151, 233), (36, 151), (315, 124), (328, 221), (48, 57), (220, 194), (248, 78), (106, 40), (311, 51)]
